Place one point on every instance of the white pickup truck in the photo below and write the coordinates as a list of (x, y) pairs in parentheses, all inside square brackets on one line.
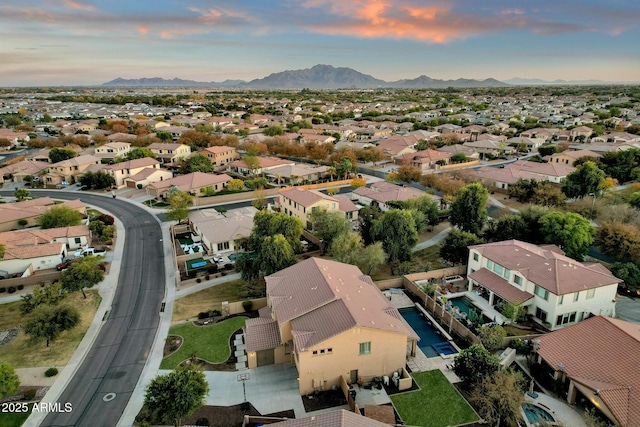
[(90, 251)]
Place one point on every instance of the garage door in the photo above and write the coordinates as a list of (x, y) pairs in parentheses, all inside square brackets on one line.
[(131, 184), (264, 357)]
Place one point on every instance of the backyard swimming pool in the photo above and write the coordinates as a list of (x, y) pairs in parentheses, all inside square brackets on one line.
[(466, 305), (432, 342), (536, 415)]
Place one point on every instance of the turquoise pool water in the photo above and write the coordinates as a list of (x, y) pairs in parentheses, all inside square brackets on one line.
[(465, 305), (232, 256), (537, 415), (432, 342)]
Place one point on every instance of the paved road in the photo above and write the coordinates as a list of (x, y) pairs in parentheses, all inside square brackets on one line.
[(628, 309), (117, 357)]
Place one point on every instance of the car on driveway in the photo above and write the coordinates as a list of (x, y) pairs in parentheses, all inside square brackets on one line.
[(65, 264)]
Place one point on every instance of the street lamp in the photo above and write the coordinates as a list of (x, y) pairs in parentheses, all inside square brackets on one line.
[(593, 204)]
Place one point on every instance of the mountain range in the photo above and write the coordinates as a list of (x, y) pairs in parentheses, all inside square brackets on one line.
[(316, 77)]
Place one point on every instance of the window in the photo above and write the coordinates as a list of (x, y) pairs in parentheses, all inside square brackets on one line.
[(77, 240), (560, 299), (541, 314), (498, 269), (517, 280), (490, 265), (365, 347), (576, 297), (223, 246), (507, 273), (542, 293), (591, 293), (315, 352), (476, 256), (329, 350), (563, 319)]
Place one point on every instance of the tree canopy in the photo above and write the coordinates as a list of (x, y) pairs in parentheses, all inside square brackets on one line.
[(396, 229), (82, 273), (177, 394), (21, 194), (585, 180), (140, 153), (468, 211), (60, 154), (629, 273), (97, 180), (618, 240), (328, 225), (346, 247), (570, 231), (9, 380), (499, 397), (59, 216), (454, 247), (473, 364), (48, 321), (198, 163), (179, 203)]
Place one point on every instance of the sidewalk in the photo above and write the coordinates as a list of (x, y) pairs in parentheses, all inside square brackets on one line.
[(188, 290)]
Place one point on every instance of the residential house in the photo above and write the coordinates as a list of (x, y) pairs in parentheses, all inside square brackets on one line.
[(197, 183), (381, 192), (332, 321), (169, 153), (219, 155), (32, 250), (569, 157), (108, 152), (342, 418), (15, 138), (16, 172), (426, 160), (147, 176), (299, 202), (502, 178), (222, 232), (581, 133), (123, 170), (616, 138), (121, 137), (240, 167), (30, 211), (602, 147), (296, 173), (597, 361), (531, 144), (398, 146), (546, 134), (459, 149), (555, 290), (68, 171)]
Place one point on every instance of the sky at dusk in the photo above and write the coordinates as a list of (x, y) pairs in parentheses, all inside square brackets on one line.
[(82, 42)]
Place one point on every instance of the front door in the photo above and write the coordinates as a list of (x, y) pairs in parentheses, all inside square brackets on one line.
[(353, 377)]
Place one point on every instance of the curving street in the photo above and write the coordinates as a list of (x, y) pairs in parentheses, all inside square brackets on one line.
[(117, 357)]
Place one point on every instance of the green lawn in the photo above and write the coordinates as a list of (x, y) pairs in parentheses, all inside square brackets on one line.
[(210, 343), (14, 419), (436, 404)]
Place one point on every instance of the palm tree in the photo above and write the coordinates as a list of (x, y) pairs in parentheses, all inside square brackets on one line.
[(332, 171)]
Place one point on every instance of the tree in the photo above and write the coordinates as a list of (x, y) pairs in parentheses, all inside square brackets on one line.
[(547, 150), (408, 174), (2, 249), (235, 185), (252, 162), (347, 247), (346, 167), (629, 273), (499, 397), (427, 207), (372, 257), (468, 211), (198, 163), (82, 273), (586, 179), (140, 153), (97, 180), (396, 229), (358, 182), (570, 231), (9, 380), (49, 321), (473, 364), (328, 225), (506, 227), (275, 254), (531, 217), (618, 240), (547, 194), (50, 295), (455, 246), (274, 130), (492, 336), (513, 312), (60, 154), (176, 395), (21, 194), (366, 218), (59, 216), (179, 203), (266, 223)]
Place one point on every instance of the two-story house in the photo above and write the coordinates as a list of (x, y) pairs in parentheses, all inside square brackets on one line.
[(124, 170), (380, 193), (555, 290), (221, 233), (196, 183), (109, 151), (426, 160), (569, 157), (220, 155), (299, 202), (169, 153), (266, 163), (332, 321), (68, 171)]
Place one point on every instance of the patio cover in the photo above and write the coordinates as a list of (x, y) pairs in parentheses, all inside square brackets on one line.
[(499, 286)]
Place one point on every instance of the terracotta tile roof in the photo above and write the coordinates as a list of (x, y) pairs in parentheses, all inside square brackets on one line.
[(546, 266), (323, 298), (426, 156), (35, 251), (383, 192), (577, 154), (217, 149), (341, 418), (24, 167), (500, 286), (217, 228), (603, 354), (346, 205), (144, 174), (10, 212), (287, 171), (192, 181), (77, 161), (133, 164), (265, 162), (164, 146), (73, 231), (261, 333), (305, 197)]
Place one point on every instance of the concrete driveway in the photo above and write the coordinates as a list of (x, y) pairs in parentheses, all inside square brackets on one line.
[(270, 389)]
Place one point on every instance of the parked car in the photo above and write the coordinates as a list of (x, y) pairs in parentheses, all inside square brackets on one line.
[(65, 264), (89, 251)]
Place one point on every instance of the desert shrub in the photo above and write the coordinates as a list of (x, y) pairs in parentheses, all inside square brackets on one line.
[(207, 277), (30, 393), (246, 305), (198, 280), (215, 313), (202, 422), (106, 219), (51, 372), (3, 290), (20, 287), (139, 186), (203, 315), (11, 289)]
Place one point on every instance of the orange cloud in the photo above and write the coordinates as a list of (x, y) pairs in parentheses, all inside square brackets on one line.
[(79, 6), (143, 30)]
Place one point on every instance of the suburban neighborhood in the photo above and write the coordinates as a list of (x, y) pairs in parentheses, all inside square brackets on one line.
[(422, 257)]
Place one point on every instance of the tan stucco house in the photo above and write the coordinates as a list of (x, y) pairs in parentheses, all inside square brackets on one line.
[(332, 321), (169, 153), (220, 155), (121, 171), (195, 183), (69, 170), (300, 202)]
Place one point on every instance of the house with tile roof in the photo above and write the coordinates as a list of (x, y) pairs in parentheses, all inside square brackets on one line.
[(31, 210), (597, 360), (342, 418), (240, 167), (382, 192), (300, 202), (68, 171), (426, 160), (568, 157), (219, 155), (108, 152), (37, 249), (332, 321), (222, 232), (555, 290), (170, 154), (296, 173), (195, 183), (147, 176), (16, 172), (502, 178), (121, 171)]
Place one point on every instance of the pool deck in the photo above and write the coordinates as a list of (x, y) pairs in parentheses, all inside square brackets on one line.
[(560, 410), (481, 303)]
